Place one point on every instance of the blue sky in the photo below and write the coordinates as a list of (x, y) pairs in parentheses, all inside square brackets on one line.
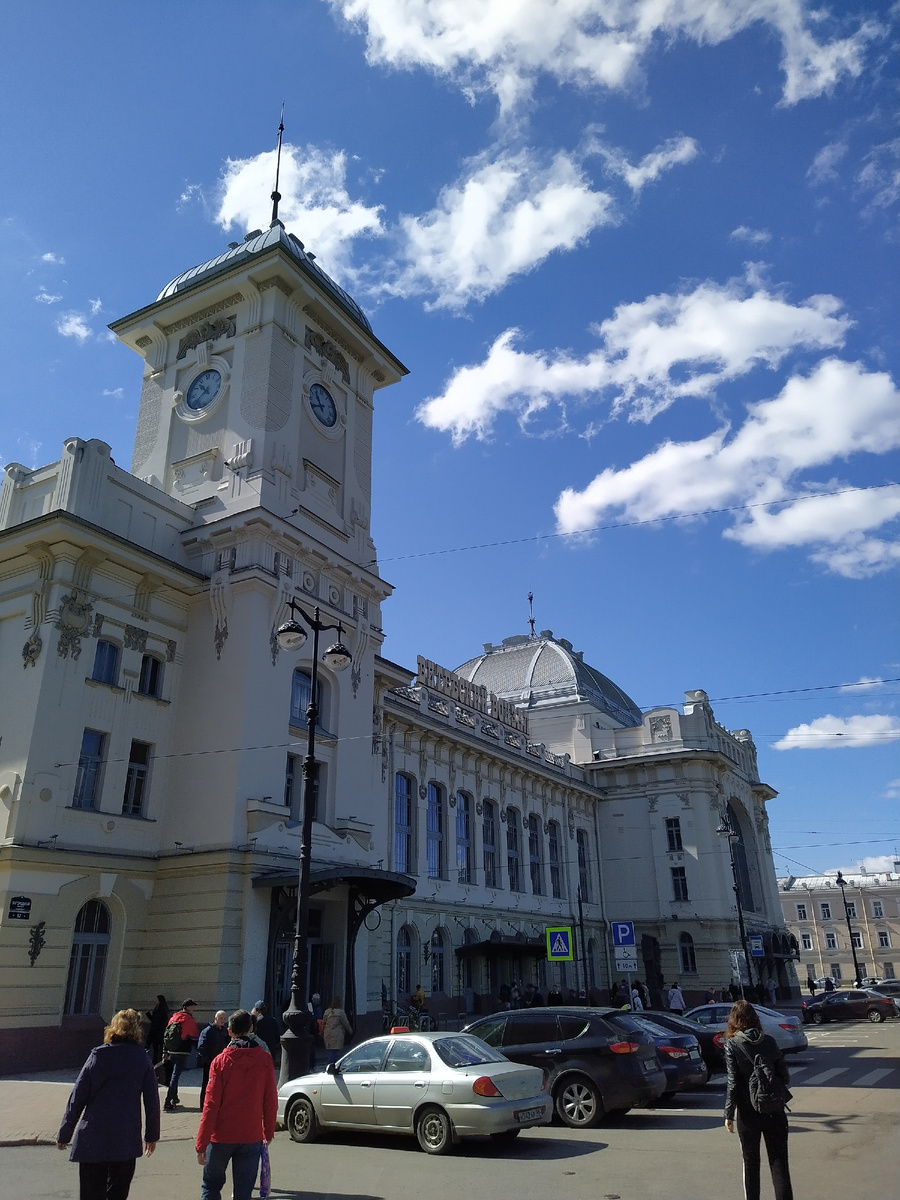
[(641, 260)]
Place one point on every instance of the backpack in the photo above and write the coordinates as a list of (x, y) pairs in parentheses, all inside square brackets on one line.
[(768, 1093), (173, 1042)]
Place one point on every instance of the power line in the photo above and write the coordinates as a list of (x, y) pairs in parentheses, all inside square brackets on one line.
[(706, 512)]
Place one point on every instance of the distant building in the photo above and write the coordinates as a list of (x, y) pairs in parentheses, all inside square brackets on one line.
[(814, 913)]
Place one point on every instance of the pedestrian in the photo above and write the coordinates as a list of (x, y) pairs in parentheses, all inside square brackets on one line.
[(334, 1026), (614, 995), (744, 1042), (268, 1029), (554, 996), (709, 996), (109, 1089), (675, 999), (213, 1041), (644, 991), (158, 1016), (771, 990), (637, 1004), (532, 998), (180, 1038), (238, 1114), (829, 984), (811, 986)]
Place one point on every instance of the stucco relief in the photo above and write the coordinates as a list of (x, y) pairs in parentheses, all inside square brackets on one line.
[(661, 729), (72, 622)]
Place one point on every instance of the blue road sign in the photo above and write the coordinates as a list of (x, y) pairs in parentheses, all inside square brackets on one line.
[(756, 947), (623, 933), (559, 943)]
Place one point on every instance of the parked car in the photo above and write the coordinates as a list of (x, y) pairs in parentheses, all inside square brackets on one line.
[(439, 1087), (594, 1068), (856, 1004), (678, 1053), (787, 1031), (712, 1041), (886, 987)]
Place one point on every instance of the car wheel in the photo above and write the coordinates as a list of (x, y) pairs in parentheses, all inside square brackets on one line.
[(875, 1016), (578, 1103), (302, 1122), (434, 1131), (818, 1018), (506, 1135)]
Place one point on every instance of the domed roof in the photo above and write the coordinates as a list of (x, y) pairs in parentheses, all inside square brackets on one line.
[(256, 243), (544, 671)]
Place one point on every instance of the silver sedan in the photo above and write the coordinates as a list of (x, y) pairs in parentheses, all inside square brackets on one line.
[(787, 1031), (440, 1087)]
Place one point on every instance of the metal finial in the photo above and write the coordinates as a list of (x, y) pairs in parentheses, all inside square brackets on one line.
[(531, 611), (276, 195)]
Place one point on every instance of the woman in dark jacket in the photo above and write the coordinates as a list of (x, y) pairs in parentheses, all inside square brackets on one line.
[(744, 1039), (159, 1019), (108, 1091)]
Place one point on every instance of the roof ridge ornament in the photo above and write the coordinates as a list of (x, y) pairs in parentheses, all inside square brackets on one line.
[(276, 195)]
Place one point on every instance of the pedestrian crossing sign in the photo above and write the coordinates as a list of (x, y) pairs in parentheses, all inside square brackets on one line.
[(559, 943)]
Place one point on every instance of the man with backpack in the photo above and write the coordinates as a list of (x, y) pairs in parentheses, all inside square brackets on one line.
[(179, 1040), (757, 1096)]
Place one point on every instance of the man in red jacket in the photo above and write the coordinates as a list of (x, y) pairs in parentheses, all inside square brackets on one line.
[(238, 1113)]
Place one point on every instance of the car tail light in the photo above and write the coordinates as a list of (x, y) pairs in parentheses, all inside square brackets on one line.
[(485, 1086), (673, 1051), (780, 1026), (719, 1039), (625, 1047)]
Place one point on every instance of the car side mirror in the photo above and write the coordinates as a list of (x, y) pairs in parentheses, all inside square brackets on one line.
[(331, 1069)]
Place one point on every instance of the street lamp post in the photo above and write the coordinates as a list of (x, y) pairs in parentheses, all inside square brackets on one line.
[(842, 883), (292, 635), (726, 830)]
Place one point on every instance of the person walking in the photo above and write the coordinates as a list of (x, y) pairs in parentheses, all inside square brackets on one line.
[(811, 986), (744, 1040), (637, 1003), (675, 998), (180, 1038), (105, 1104), (268, 1029), (238, 1113), (771, 990), (334, 1026), (158, 1016), (213, 1041)]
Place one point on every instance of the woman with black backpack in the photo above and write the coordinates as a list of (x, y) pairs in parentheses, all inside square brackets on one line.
[(757, 1094)]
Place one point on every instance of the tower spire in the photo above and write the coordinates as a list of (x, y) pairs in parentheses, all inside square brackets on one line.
[(276, 195), (531, 612)]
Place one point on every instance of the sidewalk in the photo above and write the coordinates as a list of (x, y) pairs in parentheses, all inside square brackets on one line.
[(32, 1107)]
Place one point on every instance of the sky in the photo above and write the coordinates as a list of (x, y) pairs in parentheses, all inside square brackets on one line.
[(641, 259)]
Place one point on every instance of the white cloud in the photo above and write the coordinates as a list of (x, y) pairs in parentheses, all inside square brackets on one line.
[(881, 174), (74, 325), (501, 219), (891, 792), (315, 203), (673, 152), (864, 684), (652, 353), (756, 237), (45, 297), (836, 733), (115, 393), (808, 425), (96, 307), (824, 165), (50, 257), (502, 46)]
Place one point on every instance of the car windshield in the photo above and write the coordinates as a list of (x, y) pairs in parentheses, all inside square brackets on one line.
[(464, 1051), (651, 1027)]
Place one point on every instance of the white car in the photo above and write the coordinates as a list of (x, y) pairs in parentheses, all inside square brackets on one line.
[(788, 1032), (439, 1087)]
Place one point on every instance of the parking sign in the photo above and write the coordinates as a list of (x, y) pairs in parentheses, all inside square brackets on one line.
[(623, 933)]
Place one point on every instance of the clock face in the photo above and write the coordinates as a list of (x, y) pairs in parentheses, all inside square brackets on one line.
[(323, 406), (204, 389)]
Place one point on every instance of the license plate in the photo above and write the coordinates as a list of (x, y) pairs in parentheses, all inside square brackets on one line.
[(648, 1065), (529, 1114), (694, 1054)]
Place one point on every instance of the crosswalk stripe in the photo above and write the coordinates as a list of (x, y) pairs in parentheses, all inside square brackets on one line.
[(824, 1076), (872, 1077)]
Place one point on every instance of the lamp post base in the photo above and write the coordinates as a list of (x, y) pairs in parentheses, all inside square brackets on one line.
[(295, 1050)]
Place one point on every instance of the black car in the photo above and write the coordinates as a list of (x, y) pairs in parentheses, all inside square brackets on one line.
[(679, 1053), (712, 1041), (848, 1006), (594, 1068)]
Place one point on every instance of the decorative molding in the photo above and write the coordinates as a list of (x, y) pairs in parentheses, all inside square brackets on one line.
[(685, 799), (332, 333), (31, 650), (218, 600), (36, 941), (143, 342), (97, 627), (42, 553), (661, 729), (143, 590), (72, 622), (329, 351), (171, 647), (135, 638), (209, 311), (206, 331), (276, 282)]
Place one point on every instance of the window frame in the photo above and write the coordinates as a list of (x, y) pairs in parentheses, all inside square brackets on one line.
[(152, 666), (584, 877), (116, 657), (825, 909), (553, 844), (464, 839), (877, 910), (884, 939), (673, 835), (403, 830), (680, 891), (404, 960), (137, 781), (801, 913), (513, 850), (831, 941), (489, 843), (687, 956), (536, 854), (89, 775), (806, 941), (435, 822)]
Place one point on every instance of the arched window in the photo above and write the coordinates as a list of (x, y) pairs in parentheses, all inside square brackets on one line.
[(489, 844), (741, 868), (686, 954), (87, 962), (470, 937), (435, 831), (555, 873), (150, 681), (584, 878), (536, 854), (464, 836), (403, 822), (437, 961), (106, 663), (301, 690), (513, 852), (404, 961)]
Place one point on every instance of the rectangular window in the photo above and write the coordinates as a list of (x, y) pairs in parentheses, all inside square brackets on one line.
[(512, 850), (850, 906), (673, 833), (535, 855), (801, 912), (884, 939), (301, 690), (464, 837), (291, 781), (584, 874), (403, 811), (830, 941), (435, 831), (889, 971), (150, 682), (679, 884), (826, 911), (836, 972), (856, 938), (136, 780), (106, 663), (877, 908), (489, 844), (806, 941), (90, 770), (555, 874)]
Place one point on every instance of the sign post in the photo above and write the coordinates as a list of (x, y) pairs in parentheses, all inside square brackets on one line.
[(626, 951)]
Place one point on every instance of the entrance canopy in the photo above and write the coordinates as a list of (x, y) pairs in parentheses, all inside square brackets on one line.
[(375, 885)]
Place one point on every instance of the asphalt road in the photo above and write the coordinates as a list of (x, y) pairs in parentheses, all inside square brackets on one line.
[(845, 1141)]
